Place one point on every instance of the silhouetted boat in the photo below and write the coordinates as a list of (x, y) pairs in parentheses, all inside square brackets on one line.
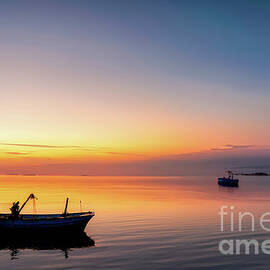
[(70, 222), (228, 181), (17, 223)]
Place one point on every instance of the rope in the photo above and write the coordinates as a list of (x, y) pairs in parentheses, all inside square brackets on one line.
[(34, 207)]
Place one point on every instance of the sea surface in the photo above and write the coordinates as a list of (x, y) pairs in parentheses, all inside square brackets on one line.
[(141, 222)]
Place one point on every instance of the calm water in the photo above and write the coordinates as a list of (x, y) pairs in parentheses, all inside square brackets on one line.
[(141, 222)]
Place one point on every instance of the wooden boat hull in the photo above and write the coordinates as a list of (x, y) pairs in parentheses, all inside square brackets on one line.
[(41, 223), (223, 181)]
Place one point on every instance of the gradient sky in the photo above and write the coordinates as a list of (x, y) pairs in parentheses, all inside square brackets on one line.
[(87, 82)]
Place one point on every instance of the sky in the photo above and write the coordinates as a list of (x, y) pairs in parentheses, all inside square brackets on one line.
[(134, 87)]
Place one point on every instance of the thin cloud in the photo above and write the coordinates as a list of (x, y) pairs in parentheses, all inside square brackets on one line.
[(95, 148), (16, 153), (229, 147), (233, 146), (222, 149), (92, 149), (123, 153), (40, 145)]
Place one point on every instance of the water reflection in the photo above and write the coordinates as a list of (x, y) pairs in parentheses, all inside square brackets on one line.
[(141, 222), (17, 243), (228, 189)]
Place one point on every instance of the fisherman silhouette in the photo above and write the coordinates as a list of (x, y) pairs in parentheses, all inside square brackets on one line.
[(15, 209)]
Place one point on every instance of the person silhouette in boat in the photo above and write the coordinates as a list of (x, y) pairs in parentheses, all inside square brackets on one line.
[(15, 209)]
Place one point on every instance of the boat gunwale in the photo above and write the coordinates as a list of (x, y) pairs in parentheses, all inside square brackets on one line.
[(39, 217)]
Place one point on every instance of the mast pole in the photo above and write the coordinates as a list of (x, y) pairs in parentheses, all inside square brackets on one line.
[(65, 212)]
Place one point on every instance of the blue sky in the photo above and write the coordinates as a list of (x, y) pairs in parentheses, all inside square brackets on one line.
[(149, 77)]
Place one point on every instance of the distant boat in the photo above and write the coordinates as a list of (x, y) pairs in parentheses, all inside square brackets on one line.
[(228, 181), (62, 223)]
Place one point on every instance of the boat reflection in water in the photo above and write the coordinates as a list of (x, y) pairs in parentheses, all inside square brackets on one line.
[(18, 242)]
